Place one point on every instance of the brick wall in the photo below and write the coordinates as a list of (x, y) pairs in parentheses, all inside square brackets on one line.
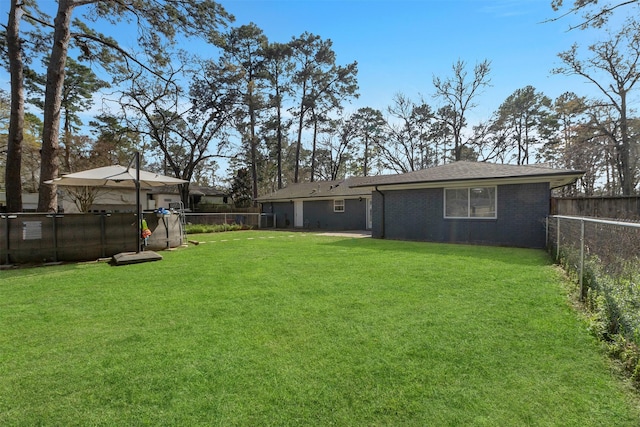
[(319, 214), (418, 215), (283, 212)]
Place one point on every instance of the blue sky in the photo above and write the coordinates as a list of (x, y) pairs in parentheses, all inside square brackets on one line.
[(401, 44)]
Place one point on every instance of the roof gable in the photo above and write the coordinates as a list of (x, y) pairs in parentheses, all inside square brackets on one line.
[(345, 188)]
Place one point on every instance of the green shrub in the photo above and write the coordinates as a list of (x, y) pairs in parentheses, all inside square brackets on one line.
[(612, 305), (214, 228)]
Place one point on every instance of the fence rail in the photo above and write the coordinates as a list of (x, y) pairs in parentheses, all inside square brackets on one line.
[(251, 219)]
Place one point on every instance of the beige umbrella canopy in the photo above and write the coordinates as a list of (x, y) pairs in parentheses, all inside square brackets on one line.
[(118, 176), (114, 176)]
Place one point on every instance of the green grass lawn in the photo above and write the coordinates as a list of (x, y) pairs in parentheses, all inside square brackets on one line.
[(272, 328)]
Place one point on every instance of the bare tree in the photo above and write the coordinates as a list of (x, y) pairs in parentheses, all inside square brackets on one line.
[(336, 149), (184, 132), (458, 93), (409, 132), (613, 69), (594, 14)]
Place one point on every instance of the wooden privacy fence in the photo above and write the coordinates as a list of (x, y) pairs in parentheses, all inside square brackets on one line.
[(618, 207), (44, 238)]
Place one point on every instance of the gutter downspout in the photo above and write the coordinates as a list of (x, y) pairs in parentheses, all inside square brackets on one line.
[(382, 213)]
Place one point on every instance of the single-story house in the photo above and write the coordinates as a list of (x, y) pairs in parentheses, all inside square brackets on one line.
[(29, 202), (466, 202), (461, 202), (329, 205), (203, 197), (111, 199)]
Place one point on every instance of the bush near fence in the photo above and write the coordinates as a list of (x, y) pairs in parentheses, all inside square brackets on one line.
[(604, 258), (214, 228), (244, 219)]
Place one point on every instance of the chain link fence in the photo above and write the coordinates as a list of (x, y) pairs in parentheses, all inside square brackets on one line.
[(249, 219), (604, 256)]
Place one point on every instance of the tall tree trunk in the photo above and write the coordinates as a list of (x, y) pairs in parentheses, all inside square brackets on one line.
[(48, 199), (279, 138), (366, 154), (13, 180), (625, 157), (254, 156), (457, 148), (296, 173), (313, 150), (67, 143)]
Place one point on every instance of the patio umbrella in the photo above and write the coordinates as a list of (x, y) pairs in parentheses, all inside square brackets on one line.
[(114, 176), (118, 176)]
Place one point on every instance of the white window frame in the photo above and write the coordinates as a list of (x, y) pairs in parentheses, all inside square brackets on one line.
[(338, 205), (469, 189)]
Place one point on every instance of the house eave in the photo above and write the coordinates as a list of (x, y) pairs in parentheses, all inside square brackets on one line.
[(554, 180), (316, 198)]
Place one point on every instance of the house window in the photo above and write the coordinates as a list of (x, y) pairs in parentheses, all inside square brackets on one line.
[(473, 202), (338, 205)]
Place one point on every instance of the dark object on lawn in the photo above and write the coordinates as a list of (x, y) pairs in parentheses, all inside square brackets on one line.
[(124, 258)]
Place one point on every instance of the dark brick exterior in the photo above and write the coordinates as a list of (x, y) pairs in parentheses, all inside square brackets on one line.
[(319, 214), (418, 215), (283, 212)]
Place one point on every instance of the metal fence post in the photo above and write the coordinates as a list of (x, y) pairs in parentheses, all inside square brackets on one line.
[(558, 238), (103, 234), (582, 258), (55, 238), (546, 232), (7, 240)]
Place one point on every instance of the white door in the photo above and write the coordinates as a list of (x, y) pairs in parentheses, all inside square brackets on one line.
[(369, 221), (298, 221)]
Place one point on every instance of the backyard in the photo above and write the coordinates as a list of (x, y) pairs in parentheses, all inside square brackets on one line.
[(282, 328)]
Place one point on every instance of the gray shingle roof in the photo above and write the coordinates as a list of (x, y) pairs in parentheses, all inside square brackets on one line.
[(344, 188), (468, 171), (444, 174)]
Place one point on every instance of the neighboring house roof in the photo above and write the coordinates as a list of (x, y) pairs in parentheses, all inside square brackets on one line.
[(462, 172), (198, 190), (339, 189), (194, 190)]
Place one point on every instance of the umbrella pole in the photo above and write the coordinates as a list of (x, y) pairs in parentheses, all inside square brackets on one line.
[(139, 210)]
